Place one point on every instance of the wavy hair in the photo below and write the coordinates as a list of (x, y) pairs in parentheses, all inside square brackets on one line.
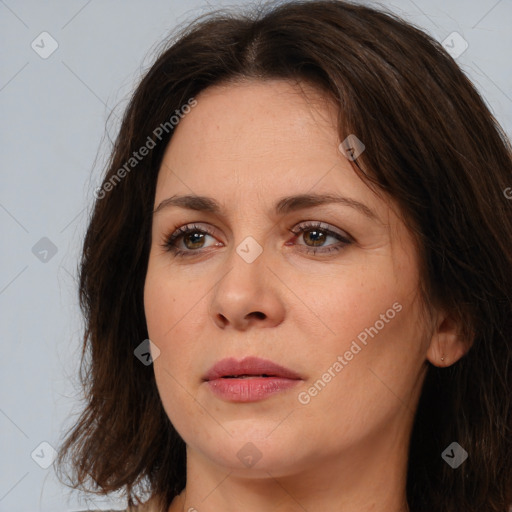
[(431, 144)]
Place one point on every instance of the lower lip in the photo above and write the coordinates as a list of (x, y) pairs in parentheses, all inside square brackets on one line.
[(250, 389)]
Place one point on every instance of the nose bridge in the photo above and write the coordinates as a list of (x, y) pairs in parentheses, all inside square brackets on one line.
[(249, 235), (244, 295), (246, 263)]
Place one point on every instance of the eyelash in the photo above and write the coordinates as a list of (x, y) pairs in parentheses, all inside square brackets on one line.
[(170, 241)]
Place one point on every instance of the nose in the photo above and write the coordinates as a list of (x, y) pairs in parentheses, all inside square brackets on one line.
[(248, 295)]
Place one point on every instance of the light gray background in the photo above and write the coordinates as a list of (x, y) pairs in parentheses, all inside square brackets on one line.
[(53, 116)]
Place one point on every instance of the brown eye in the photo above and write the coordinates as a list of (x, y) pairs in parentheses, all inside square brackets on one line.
[(191, 237), (315, 236)]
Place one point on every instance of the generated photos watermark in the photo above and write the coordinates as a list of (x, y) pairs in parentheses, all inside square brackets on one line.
[(138, 156), (304, 397)]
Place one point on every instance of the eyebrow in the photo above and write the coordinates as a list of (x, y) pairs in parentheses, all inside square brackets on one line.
[(284, 206)]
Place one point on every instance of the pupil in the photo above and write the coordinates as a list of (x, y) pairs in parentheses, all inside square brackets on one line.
[(315, 240), (198, 239)]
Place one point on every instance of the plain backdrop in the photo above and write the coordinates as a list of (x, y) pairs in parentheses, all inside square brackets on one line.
[(65, 65)]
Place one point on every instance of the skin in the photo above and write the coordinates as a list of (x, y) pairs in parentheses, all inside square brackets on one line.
[(247, 145)]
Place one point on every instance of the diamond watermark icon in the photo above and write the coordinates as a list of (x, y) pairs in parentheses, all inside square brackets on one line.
[(454, 455), (351, 147), (44, 455), (44, 45), (249, 249), (44, 250), (455, 45), (249, 454), (147, 352)]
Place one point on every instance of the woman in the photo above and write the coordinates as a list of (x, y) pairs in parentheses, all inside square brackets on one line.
[(306, 213)]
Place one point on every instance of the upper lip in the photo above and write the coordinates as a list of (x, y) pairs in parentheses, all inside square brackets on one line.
[(248, 366)]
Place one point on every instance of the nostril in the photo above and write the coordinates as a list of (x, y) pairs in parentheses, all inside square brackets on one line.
[(257, 314)]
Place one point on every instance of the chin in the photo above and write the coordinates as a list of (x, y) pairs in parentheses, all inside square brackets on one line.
[(250, 450)]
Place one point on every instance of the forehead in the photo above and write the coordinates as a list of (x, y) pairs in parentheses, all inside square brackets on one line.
[(257, 141), (237, 122)]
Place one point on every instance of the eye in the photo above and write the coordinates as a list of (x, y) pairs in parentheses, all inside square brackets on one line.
[(192, 236), (189, 240), (315, 235)]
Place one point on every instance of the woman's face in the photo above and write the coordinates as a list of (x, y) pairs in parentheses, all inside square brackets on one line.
[(246, 281)]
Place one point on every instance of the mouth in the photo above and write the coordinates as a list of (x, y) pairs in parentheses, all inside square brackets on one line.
[(249, 368), (246, 376), (250, 380)]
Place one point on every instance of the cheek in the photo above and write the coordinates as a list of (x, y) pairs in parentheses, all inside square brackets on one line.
[(354, 301), (371, 383), (174, 319), (374, 320), (168, 320), (166, 305), (185, 412), (377, 356)]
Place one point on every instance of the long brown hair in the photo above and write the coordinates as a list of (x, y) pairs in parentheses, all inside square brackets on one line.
[(431, 144)]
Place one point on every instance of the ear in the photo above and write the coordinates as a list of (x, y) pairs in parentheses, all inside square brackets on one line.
[(447, 345)]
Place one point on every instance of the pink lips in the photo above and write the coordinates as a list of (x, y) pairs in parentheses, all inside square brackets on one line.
[(249, 380)]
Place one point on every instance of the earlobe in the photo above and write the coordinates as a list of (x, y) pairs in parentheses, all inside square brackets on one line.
[(447, 345)]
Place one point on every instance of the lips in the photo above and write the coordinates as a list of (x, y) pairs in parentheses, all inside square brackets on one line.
[(248, 367)]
